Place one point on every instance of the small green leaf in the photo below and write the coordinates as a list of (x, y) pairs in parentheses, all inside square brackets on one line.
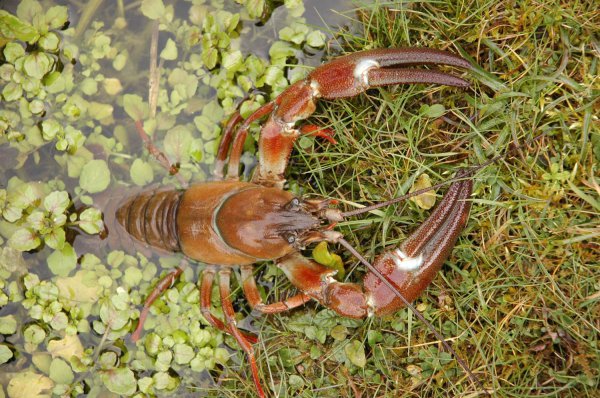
[(37, 65), (36, 106), (339, 332), (153, 9), (13, 51), (169, 53), (374, 337), (57, 16), (5, 354), (66, 348), (61, 372), (119, 381), (120, 61), (59, 321), (63, 261), (132, 276), (141, 172), (177, 143), (316, 39), (12, 92), (280, 51), (50, 129), (183, 353), (8, 324), (425, 200), (210, 57), (12, 28), (34, 334), (356, 353), (95, 176), (89, 86), (322, 255), (433, 111), (24, 239), (107, 360), (135, 107), (49, 42), (56, 238), (233, 61), (90, 220), (57, 202)]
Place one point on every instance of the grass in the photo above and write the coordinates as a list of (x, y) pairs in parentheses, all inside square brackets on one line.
[(519, 297)]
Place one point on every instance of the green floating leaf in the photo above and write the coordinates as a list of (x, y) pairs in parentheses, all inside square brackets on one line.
[(5, 354), (316, 39), (169, 53), (57, 202), (24, 239), (13, 51), (90, 220), (12, 92), (37, 65), (50, 129), (135, 107), (177, 143), (49, 42), (8, 324), (57, 16), (153, 9), (56, 238), (13, 28), (63, 261), (95, 176), (66, 348), (29, 384), (183, 353), (34, 334), (210, 56), (119, 381), (141, 172), (60, 372)]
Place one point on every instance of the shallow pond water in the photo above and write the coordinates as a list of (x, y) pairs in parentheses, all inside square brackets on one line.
[(73, 302)]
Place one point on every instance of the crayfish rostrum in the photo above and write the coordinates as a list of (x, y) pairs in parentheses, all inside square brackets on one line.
[(230, 223)]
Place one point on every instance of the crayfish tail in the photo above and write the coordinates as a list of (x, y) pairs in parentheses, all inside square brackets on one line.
[(150, 217)]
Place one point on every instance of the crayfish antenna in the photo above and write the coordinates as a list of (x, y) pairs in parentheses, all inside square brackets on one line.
[(418, 314)]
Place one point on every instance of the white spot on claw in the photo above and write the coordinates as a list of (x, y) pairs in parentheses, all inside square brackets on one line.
[(316, 88), (405, 262), (361, 71), (370, 305)]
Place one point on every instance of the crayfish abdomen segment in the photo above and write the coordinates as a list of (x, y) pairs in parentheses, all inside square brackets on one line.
[(150, 218)]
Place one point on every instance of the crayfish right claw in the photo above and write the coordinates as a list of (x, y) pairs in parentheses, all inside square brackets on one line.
[(413, 265)]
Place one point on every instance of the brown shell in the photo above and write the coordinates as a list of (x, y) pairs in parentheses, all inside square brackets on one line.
[(227, 223)]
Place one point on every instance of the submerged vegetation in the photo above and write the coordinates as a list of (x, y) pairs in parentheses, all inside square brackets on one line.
[(519, 299)]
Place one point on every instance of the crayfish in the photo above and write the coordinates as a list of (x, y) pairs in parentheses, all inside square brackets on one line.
[(230, 223)]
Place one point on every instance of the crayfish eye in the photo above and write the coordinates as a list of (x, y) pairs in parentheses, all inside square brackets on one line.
[(289, 237), (293, 205)]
